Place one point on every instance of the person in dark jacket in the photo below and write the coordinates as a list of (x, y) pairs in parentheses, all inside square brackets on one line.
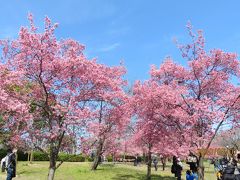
[(193, 162), (232, 171), (11, 164), (177, 167)]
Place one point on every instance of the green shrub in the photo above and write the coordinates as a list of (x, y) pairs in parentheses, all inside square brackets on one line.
[(109, 158), (89, 159), (78, 158), (39, 156), (71, 157)]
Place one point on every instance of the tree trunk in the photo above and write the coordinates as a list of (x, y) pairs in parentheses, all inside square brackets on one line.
[(74, 143), (100, 142), (149, 164), (163, 163), (52, 166), (97, 156), (163, 166), (54, 150), (74, 148), (113, 159), (144, 157), (31, 157), (51, 173), (16, 163), (201, 168), (28, 156)]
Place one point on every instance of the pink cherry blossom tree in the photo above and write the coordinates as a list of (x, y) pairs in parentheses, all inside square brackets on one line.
[(13, 110), (107, 127), (159, 121), (64, 85), (229, 138), (211, 96)]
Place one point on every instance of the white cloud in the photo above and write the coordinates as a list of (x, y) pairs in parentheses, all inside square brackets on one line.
[(109, 47)]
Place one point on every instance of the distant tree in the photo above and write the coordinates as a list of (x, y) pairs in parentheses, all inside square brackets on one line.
[(229, 138), (106, 129), (159, 121)]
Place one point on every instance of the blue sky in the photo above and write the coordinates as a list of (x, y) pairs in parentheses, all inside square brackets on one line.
[(139, 32)]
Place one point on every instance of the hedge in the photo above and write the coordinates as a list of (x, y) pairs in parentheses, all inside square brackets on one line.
[(89, 159), (71, 157), (39, 156), (109, 158)]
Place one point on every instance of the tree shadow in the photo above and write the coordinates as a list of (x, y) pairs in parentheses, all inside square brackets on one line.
[(107, 165), (101, 167), (22, 172), (141, 177)]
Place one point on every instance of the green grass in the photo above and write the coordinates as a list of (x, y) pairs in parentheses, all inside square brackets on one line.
[(109, 171)]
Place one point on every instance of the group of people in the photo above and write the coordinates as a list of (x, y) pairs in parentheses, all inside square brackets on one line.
[(177, 167), (8, 163), (228, 169)]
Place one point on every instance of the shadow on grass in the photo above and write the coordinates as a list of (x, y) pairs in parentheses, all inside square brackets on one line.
[(101, 167), (22, 172), (141, 177), (106, 165)]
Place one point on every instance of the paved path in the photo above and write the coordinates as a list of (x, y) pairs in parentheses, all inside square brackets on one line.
[(2, 176)]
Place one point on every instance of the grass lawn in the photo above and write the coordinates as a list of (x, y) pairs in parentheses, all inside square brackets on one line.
[(109, 171)]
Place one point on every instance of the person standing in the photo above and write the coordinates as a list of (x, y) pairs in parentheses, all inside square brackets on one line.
[(193, 162), (135, 161), (177, 167), (11, 164), (155, 162), (232, 171)]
